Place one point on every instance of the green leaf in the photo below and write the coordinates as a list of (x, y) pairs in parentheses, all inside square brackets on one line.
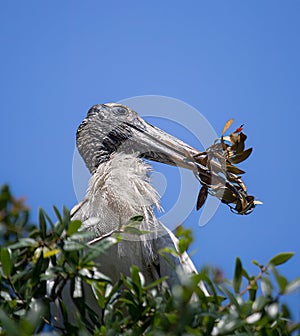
[(73, 227), (281, 258), (135, 275), (168, 249), (183, 245), (133, 230), (136, 279), (93, 274), (185, 239), (11, 326), (98, 248), (285, 311), (245, 274), (135, 220), (83, 235), (252, 288), (66, 217), (280, 279), (127, 301), (59, 229), (42, 223), (49, 221), (77, 287), (230, 296), (252, 294), (266, 286), (209, 284), (260, 303), (39, 267), (63, 221), (282, 283), (64, 311), (237, 280), (73, 245), (57, 213), (256, 263), (293, 285), (6, 261), (24, 242), (172, 317), (156, 283)]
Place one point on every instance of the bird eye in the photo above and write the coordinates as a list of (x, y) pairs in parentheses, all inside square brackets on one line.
[(119, 110)]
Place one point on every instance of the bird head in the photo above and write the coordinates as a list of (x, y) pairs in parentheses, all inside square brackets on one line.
[(110, 128)]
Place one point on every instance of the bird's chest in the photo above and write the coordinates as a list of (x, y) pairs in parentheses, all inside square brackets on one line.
[(120, 189)]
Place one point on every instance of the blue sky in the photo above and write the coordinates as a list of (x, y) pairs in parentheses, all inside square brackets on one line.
[(228, 59)]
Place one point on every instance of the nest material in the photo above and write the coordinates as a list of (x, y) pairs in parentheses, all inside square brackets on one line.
[(221, 177)]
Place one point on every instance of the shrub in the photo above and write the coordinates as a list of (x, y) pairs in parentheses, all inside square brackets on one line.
[(37, 263)]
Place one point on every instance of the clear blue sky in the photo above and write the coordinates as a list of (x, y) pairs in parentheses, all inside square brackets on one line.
[(228, 59)]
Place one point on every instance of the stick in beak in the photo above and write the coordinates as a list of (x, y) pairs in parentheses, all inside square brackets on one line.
[(214, 168)]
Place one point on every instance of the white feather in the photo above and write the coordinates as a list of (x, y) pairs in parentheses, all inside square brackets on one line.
[(118, 190)]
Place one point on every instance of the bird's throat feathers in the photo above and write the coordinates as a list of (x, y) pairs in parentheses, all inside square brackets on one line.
[(118, 190), (124, 182)]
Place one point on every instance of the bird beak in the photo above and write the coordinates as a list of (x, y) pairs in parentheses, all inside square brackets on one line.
[(157, 145)]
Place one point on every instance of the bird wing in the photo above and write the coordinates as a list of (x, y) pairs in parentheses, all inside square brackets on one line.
[(177, 269)]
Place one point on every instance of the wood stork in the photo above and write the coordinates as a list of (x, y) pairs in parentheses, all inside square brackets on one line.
[(113, 141)]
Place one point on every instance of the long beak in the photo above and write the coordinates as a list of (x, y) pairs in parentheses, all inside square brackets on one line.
[(157, 145)]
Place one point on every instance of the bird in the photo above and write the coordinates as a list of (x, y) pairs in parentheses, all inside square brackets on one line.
[(116, 145)]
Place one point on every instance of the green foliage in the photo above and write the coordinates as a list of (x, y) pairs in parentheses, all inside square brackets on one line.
[(38, 263)]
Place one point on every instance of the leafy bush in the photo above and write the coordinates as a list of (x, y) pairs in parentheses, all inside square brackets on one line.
[(39, 263)]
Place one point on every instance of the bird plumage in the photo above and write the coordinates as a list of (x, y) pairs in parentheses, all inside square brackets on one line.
[(118, 190), (113, 140)]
